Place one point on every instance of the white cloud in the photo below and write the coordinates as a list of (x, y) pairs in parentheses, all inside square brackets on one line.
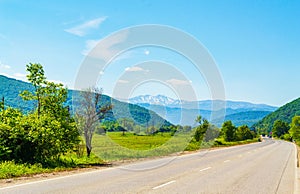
[(5, 74), (123, 81), (178, 82), (3, 66), (135, 69), (83, 29), (20, 76), (107, 48)]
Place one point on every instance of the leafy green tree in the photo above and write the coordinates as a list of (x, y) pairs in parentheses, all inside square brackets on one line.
[(201, 129), (242, 133), (37, 78), (228, 131), (90, 113), (11, 137), (44, 134), (295, 129), (280, 128)]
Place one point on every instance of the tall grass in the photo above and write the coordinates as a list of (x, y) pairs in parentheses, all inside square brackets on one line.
[(10, 169)]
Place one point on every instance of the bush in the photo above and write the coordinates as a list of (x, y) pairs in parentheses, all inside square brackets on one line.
[(32, 139)]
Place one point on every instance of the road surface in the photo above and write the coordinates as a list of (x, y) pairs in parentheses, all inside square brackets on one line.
[(267, 167)]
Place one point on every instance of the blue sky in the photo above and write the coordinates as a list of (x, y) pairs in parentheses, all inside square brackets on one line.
[(255, 43)]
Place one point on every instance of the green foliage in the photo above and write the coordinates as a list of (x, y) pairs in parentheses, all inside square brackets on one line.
[(42, 135), (284, 113), (10, 169), (26, 138), (37, 78), (295, 129), (228, 131), (243, 133), (280, 128), (201, 129), (221, 142)]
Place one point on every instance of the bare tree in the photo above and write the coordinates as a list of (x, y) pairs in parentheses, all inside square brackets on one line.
[(89, 114)]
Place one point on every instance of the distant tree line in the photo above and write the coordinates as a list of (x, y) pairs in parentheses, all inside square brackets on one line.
[(290, 132), (206, 132)]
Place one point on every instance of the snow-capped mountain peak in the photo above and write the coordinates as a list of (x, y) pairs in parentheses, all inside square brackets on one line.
[(155, 100)]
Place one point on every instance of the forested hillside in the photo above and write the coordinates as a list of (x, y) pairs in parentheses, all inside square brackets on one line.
[(284, 113), (243, 118), (11, 88)]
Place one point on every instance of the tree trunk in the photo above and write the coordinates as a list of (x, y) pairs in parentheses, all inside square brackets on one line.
[(88, 151)]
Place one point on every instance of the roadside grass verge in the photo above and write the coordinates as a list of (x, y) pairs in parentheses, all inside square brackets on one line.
[(11, 169), (220, 142)]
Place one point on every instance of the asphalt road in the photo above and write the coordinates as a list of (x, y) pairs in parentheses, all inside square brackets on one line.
[(267, 167)]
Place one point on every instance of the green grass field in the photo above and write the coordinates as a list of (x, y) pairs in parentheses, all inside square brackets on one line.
[(114, 146), (139, 142)]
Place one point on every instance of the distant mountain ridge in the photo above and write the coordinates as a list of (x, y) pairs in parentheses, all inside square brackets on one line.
[(203, 104), (156, 100), (185, 112)]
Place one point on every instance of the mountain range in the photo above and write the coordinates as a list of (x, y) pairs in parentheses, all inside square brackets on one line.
[(184, 112)]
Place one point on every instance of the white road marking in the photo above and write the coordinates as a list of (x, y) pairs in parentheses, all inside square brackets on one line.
[(165, 184), (205, 169), (226, 161)]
